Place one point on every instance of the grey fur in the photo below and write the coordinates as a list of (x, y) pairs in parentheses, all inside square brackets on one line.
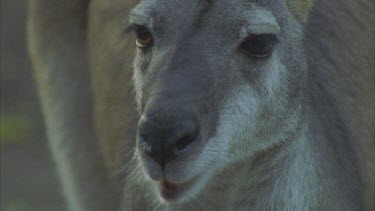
[(291, 132)]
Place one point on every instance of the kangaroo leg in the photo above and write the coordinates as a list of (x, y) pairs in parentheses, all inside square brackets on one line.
[(57, 45)]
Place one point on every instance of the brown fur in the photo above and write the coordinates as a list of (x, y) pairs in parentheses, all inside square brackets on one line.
[(300, 8), (57, 46), (344, 47)]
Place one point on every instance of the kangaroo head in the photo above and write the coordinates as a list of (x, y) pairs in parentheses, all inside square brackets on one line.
[(216, 82)]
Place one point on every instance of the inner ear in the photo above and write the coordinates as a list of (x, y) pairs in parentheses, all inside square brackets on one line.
[(300, 8)]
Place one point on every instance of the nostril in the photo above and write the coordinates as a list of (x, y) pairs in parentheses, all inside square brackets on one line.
[(145, 146), (188, 138), (163, 138)]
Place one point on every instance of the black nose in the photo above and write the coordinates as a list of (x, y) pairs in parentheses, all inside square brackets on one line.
[(165, 137)]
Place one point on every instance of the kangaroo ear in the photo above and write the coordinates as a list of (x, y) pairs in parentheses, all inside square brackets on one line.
[(300, 8)]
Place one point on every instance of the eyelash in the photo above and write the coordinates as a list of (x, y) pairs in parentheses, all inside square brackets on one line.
[(131, 28)]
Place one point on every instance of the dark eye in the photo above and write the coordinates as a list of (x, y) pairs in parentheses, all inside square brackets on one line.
[(144, 37), (259, 45)]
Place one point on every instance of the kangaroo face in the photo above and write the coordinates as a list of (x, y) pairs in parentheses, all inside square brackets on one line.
[(216, 82)]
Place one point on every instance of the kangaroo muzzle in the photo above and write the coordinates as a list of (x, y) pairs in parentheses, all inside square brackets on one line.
[(166, 133)]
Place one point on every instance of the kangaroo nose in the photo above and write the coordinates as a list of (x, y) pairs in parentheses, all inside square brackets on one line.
[(165, 138)]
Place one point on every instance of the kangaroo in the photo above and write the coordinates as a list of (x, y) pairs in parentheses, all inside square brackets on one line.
[(208, 104)]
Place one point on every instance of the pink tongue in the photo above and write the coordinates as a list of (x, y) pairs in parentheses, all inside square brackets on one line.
[(169, 190), (168, 186)]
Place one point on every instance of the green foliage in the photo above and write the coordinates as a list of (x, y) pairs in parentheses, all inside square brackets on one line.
[(13, 129), (18, 205)]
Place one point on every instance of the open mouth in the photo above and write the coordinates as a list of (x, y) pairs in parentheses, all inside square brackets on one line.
[(172, 191)]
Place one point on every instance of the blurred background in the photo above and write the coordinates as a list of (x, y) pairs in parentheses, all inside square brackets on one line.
[(28, 181)]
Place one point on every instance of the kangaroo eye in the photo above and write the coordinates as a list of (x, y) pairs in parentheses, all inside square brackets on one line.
[(259, 45), (144, 37)]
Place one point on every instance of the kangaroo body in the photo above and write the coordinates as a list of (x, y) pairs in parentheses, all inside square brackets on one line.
[(290, 132)]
